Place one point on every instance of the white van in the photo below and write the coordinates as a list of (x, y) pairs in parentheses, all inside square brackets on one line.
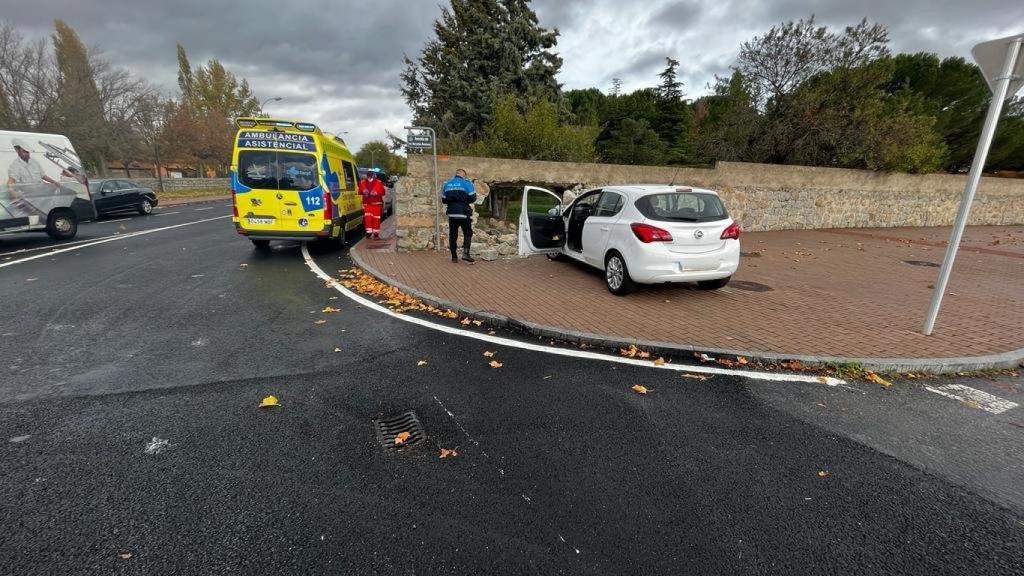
[(42, 185)]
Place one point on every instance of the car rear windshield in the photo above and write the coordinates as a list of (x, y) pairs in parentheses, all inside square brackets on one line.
[(277, 170), (682, 207)]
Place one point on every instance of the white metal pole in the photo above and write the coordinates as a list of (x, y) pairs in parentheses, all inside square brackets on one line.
[(437, 195), (973, 178)]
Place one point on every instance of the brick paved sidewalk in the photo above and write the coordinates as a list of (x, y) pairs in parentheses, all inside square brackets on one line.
[(846, 293)]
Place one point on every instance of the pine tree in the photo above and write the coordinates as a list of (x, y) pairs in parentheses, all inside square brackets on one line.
[(616, 87), (482, 49), (79, 106), (675, 119)]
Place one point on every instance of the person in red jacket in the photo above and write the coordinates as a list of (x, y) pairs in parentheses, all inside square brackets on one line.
[(372, 190)]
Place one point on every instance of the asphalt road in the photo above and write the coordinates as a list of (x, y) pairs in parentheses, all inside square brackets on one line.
[(169, 340)]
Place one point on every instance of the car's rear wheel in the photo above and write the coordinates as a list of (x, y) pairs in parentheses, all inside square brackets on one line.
[(616, 275), (261, 245), (145, 207), (62, 225), (713, 284)]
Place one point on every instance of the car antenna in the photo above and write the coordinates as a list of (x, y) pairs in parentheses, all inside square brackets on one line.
[(674, 174)]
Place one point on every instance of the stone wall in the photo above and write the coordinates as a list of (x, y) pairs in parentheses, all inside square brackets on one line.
[(175, 184), (760, 196)]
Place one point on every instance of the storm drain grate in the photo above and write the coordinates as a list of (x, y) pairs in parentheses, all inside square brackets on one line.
[(389, 428), (924, 263), (750, 286)]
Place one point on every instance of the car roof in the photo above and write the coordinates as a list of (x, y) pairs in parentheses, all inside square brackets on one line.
[(646, 189)]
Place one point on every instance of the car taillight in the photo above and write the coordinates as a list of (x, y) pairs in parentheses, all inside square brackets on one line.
[(647, 233), (732, 232), (234, 205), (328, 206)]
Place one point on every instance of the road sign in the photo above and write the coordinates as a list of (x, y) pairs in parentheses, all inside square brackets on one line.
[(423, 141), (991, 56)]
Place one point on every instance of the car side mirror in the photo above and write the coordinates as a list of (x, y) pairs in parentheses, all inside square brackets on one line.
[(556, 211)]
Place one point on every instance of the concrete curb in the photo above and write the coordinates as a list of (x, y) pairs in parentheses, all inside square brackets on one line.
[(1009, 359)]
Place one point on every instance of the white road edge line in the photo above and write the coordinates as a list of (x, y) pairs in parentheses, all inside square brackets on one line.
[(207, 208), (984, 400), (500, 341), (52, 246), (110, 239), (166, 213)]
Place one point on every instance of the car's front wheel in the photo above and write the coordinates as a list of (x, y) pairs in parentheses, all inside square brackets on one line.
[(62, 225), (616, 275), (145, 207), (713, 284)]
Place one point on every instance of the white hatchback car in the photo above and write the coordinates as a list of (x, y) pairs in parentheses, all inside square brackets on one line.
[(637, 234)]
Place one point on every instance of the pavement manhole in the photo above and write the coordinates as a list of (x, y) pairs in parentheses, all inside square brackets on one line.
[(750, 286), (389, 428), (924, 263)]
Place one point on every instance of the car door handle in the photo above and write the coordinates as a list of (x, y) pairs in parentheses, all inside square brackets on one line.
[(605, 228)]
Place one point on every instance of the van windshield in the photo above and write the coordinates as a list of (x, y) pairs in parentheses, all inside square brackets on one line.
[(270, 170)]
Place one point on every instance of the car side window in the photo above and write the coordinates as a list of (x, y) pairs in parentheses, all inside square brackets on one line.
[(350, 176), (586, 203), (124, 185), (609, 204), (107, 187)]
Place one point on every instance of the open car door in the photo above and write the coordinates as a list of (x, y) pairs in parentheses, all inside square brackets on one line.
[(541, 227)]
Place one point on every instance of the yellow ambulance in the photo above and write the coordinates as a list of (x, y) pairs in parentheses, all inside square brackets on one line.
[(290, 181)]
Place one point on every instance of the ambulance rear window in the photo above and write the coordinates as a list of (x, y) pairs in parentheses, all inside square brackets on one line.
[(277, 170)]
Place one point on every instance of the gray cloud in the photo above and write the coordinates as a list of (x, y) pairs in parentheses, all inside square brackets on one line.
[(336, 62)]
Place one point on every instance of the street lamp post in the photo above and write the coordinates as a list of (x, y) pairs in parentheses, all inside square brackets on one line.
[(1003, 68), (264, 103)]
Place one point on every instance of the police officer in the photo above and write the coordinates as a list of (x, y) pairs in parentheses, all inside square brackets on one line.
[(459, 194)]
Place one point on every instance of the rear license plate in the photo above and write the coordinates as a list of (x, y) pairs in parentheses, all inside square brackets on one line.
[(256, 220)]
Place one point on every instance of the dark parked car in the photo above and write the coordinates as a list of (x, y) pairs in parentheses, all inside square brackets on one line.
[(116, 195)]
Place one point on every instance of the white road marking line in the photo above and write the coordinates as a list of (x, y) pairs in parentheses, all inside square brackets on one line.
[(207, 208), (50, 247), (166, 213), (109, 221), (984, 400), (111, 239), (315, 268)]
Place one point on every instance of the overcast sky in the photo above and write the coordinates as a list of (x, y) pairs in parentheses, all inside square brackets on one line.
[(336, 62)]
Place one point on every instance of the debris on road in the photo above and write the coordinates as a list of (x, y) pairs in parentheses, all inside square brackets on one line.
[(489, 354), (496, 364), (446, 453), (421, 363), (269, 402), (157, 445), (700, 377), (640, 389), (402, 437), (330, 310), (823, 473), (878, 379)]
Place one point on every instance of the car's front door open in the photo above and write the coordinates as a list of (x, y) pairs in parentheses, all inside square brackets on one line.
[(541, 227)]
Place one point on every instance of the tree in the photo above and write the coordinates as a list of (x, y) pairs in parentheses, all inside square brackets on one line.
[(633, 142), (674, 123), (482, 49), (586, 107), (616, 86), (79, 108), (534, 135), (378, 154), (727, 122), (28, 80)]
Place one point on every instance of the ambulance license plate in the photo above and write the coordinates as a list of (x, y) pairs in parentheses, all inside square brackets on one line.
[(259, 220)]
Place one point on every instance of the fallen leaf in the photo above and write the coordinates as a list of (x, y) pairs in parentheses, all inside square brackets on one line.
[(971, 404), (490, 332), (822, 380), (320, 322), (878, 379), (336, 349), (269, 402), (792, 364), (488, 353), (696, 377), (823, 473), (451, 314), (659, 362), (496, 364), (402, 437), (421, 363), (330, 309), (445, 452), (640, 389), (629, 352), (644, 355), (125, 555), (742, 361), (478, 322), (466, 322)]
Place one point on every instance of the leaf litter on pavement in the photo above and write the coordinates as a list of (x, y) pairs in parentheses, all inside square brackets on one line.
[(640, 389)]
